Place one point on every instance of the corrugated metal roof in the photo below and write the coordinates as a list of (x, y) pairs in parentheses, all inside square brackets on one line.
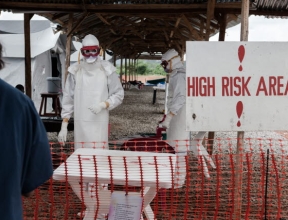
[(101, 2), (131, 27), (272, 5)]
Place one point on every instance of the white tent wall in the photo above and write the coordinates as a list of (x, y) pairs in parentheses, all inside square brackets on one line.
[(43, 43), (41, 69), (62, 58), (14, 73), (13, 44)]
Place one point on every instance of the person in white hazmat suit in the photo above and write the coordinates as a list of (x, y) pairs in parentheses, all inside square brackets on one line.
[(175, 119), (92, 89)]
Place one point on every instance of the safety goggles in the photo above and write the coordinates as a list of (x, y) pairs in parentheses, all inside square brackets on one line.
[(164, 64), (90, 51)]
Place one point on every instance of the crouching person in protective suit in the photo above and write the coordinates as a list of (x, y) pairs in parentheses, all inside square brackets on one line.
[(175, 120)]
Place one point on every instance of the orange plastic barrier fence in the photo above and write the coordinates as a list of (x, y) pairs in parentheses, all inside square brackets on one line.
[(251, 184)]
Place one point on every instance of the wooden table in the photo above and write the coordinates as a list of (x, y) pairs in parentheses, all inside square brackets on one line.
[(100, 167)]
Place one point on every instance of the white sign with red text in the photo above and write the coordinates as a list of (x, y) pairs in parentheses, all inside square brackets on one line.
[(236, 86)]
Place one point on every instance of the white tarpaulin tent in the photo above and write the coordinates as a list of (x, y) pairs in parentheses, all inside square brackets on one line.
[(44, 45)]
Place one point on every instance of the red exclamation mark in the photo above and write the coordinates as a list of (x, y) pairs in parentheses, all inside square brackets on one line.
[(239, 110), (241, 54)]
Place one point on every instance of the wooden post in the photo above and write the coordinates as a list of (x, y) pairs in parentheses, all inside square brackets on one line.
[(28, 77), (121, 66), (183, 50), (134, 69), (223, 23), (201, 32), (129, 68), (126, 73), (210, 142), (210, 15), (114, 59), (104, 53), (137, 69), (68, 46), (211, 134), (244, 20), (240, 134)]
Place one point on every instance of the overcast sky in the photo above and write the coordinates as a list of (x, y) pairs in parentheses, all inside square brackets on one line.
[(260, 28)]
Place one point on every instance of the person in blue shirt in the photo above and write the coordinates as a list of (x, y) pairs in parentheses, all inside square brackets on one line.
[(25, 157)]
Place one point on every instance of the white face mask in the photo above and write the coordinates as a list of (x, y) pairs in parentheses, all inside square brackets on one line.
[(91, 59), (167, 70)]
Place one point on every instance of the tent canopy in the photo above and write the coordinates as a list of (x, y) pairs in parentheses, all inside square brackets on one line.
[(17, 26)]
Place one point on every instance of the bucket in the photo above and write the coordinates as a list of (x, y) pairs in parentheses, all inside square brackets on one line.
[(53, 84)]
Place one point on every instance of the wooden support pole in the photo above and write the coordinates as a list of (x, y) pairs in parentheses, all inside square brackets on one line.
[(201, 32), (126, 83), (104, 53), (78, 23), (129, 69), (28, 77), (223, 24), (210, 142), (211, 134), (114, 59), (134, 69), (238, 176), (68, 46), (121, 71), (137, 69), (240, 134), (244, 20), (210, 15), (183, 48)]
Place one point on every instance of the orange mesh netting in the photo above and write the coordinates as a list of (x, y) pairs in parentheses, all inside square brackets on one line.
[(250, 184)]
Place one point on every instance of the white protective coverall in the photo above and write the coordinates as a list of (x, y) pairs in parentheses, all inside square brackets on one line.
[(92, 89), (86, 84), (175, 120), (177, 135)]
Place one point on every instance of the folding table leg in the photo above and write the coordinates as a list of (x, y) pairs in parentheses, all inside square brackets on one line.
[(149, 194), (88, 197)]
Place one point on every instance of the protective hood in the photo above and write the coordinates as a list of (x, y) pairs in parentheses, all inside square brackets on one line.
[(169, 54), (174, 58), (90, 40)]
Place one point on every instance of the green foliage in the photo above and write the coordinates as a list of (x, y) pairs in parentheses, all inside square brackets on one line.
[(144, 67), (141, 70)]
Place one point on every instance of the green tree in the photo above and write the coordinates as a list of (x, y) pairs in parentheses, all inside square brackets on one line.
[(144, 67)]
